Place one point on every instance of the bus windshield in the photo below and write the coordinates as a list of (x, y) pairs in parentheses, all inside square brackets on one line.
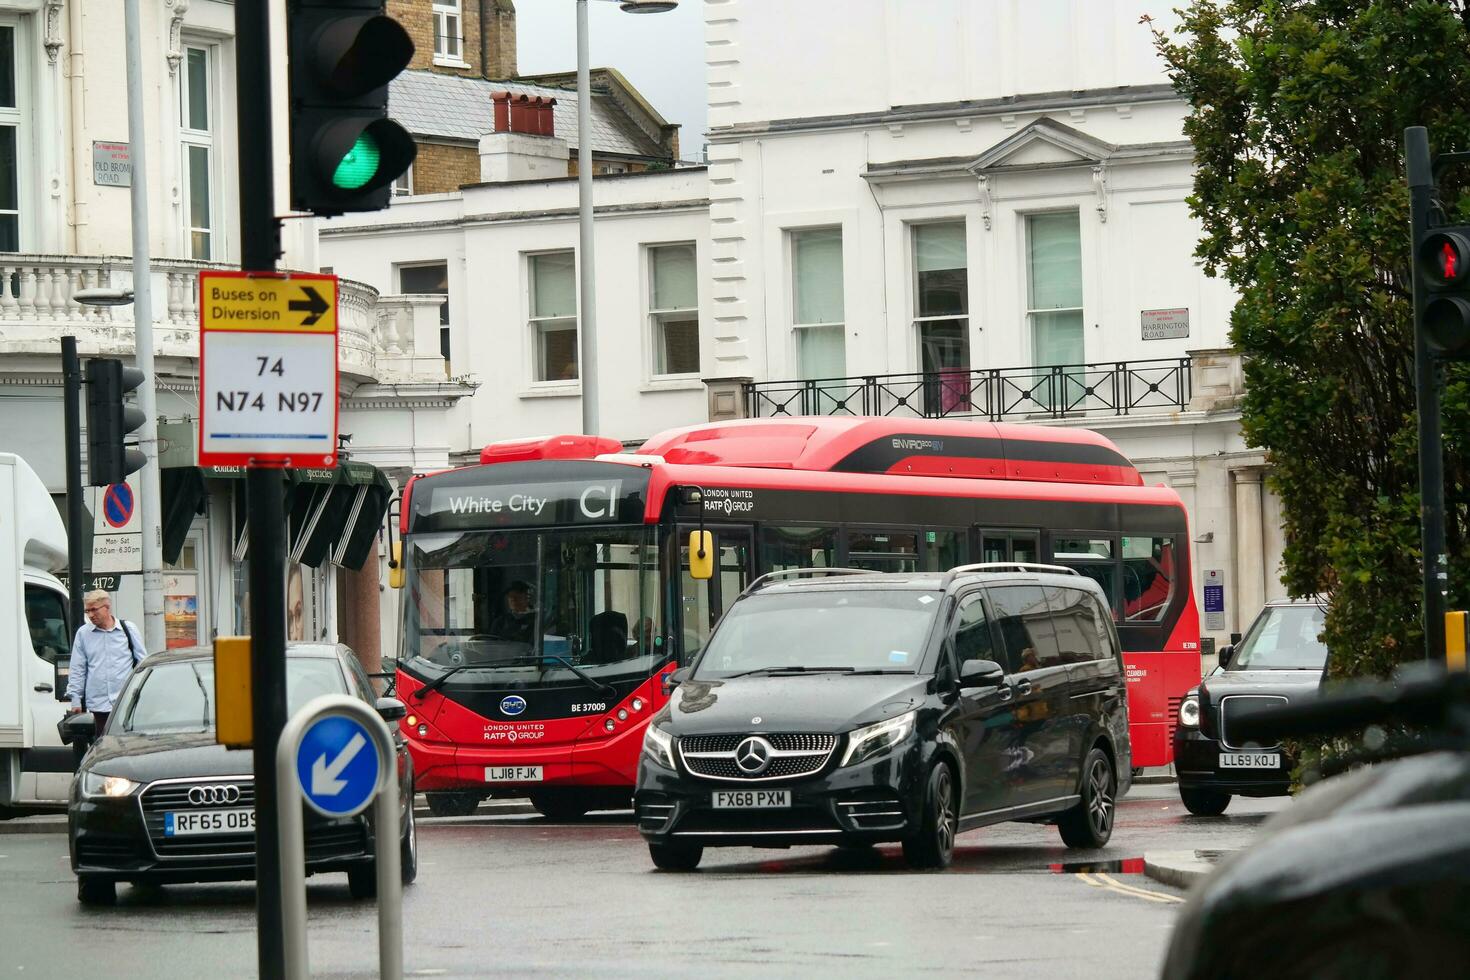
[(535, 607)]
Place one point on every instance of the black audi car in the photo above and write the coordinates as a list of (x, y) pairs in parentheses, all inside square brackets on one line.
[(1280, 660), (858, 708), (156, 800)]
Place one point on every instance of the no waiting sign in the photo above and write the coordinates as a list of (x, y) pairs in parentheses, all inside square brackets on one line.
[(267, 369)]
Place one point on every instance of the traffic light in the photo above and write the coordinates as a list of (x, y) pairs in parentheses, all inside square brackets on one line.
[(345, 151), (1443, 262), (109, 420)]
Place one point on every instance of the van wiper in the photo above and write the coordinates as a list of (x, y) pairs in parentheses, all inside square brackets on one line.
[(881, 670), (794, 670)]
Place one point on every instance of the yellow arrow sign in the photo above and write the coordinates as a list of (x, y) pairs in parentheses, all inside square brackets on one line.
[(297, 303)]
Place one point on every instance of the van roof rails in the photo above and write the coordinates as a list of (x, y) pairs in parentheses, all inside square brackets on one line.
[(770, 577), (1006, 566)]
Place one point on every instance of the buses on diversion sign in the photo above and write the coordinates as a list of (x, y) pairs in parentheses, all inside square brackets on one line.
[(550, 589)]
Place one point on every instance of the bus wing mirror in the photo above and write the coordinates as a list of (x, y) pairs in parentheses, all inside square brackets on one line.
[(395, 566), (701, 555)]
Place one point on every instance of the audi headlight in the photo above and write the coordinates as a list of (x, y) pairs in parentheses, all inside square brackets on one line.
[(659, 746), (1189, 711), (96, 784), (865, 743)]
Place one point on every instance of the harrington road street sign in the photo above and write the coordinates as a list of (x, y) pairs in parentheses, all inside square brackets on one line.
[(268, 369)]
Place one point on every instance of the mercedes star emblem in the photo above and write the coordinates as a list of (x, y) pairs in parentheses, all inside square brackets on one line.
[(753, 755)]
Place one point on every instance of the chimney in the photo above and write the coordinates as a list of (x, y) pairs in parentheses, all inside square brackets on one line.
[(523, 145)]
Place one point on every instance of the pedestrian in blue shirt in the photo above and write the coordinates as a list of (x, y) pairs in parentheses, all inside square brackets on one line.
[(102, 658)]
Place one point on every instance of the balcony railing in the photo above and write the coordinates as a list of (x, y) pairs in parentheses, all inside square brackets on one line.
[(997, 394)]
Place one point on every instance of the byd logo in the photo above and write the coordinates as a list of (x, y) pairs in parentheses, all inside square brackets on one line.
[(512, 705)]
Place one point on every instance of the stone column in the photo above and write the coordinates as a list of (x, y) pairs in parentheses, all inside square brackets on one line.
[(360, 627), (1274, 543), (1250, 564)]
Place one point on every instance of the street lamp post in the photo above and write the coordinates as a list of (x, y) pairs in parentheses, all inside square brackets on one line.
[(586, 263)]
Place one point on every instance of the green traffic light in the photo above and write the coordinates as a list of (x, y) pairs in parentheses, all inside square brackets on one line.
[(359, 165)]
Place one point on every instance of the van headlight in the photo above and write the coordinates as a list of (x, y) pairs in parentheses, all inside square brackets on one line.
[(1189, 711), (864, 743), (658, 745), (96, 784)]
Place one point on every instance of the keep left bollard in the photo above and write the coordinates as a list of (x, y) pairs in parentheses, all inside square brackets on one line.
[(337, 755)]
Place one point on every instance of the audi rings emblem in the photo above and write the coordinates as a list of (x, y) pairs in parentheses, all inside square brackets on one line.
[(753, 755), (214, 795)]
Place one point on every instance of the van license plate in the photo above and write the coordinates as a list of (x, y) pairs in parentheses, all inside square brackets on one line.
[(1250, 760), (512, 774), (751, 799), (182, 824)]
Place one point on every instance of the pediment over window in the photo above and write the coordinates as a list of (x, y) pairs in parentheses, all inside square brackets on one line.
[(1044, 143)]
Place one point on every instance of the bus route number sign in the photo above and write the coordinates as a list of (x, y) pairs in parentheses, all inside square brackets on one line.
[(267, 369)]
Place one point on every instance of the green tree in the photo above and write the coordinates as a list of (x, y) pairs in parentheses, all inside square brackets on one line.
[(1298, 109)]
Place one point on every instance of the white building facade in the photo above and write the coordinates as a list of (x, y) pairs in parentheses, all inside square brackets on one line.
[(948, 209), (65, 225)]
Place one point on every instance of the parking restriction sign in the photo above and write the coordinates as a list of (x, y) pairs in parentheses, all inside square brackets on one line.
[(268, 369)]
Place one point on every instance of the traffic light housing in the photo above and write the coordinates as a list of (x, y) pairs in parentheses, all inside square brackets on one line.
[(345, 151), (1442, 257), (109, 420)]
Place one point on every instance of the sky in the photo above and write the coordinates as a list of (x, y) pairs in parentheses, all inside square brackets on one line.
[(662, 55)]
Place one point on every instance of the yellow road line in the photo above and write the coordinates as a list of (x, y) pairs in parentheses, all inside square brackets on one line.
[(1152, 896)]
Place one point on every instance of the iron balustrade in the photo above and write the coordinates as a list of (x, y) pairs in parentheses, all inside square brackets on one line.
[(996, 394)]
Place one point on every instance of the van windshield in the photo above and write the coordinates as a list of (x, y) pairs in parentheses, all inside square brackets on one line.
[(821, 629)]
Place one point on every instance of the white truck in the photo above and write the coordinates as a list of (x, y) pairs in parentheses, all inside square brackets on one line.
[(35, 643)]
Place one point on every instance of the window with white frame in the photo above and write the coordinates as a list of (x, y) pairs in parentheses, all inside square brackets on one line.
[(673, 313), (941, 313), (403, 183), (553, 316), (1054, 287), (197, 128), (430, 278), (817, 307), (12, 137), (448, 30)]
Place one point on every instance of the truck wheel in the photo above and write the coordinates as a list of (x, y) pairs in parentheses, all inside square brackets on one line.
[(96, 891), (1204, 802), (455, 804), (675, 857), (1089, 824), (933, 844)]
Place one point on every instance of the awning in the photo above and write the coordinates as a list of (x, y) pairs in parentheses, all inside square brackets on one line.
[(332, 514)]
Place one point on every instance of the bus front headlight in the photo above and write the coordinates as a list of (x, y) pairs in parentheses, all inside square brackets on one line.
[(658, 745)]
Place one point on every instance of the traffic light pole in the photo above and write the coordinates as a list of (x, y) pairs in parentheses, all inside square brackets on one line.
[(1419, 166), (151, 506), (71, 382), (260, 239)]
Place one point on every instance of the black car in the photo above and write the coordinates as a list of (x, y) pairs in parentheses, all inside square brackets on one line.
[(856, 708), (156, 800), (1279, 661)]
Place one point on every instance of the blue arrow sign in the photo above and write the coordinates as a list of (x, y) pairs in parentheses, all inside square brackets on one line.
[(337, 766)]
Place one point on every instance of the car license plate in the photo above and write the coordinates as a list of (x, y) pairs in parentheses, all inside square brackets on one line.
[(751, 799), (182, 824), (512, 774), (1250, 760)]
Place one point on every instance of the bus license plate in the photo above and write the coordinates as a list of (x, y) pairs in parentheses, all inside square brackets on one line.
[(181, 824), (751, 799), (1250, 760), (512, 774)]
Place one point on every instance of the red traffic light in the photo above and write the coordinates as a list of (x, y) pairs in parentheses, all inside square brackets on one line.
[(1445, 258)]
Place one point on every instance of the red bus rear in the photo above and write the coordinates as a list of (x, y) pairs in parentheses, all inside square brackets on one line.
[(548, 588)]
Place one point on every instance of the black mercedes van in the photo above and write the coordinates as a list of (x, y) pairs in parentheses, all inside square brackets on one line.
[(834, 706)]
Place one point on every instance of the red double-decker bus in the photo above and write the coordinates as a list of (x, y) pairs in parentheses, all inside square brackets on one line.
[(548, 589)]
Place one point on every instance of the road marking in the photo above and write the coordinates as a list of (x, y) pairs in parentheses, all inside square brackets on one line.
[(1101, 880)]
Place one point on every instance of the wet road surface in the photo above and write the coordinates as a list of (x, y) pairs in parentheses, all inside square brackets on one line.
[(519, 895)]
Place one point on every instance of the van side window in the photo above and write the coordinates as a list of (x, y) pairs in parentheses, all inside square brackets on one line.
[(1073, 620), (1024, 619), (972, 640), (46, 620)]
